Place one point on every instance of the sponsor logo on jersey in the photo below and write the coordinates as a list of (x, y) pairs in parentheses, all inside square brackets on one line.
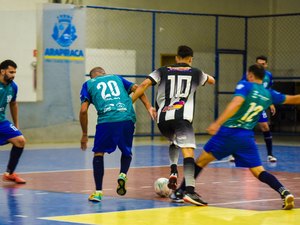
[(175, 106)]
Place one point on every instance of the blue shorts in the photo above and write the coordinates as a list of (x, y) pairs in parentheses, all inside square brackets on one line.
[(263, 117), (109, 136), (8, 131), (237, 142)]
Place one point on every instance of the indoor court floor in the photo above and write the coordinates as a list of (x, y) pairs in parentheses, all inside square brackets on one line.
[(59, 181)]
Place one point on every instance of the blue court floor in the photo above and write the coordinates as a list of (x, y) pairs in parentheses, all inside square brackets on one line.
[(31, 204)]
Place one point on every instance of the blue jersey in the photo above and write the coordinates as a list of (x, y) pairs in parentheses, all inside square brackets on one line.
[(110, 96), (8, 93), (267, 81), (257, 98)]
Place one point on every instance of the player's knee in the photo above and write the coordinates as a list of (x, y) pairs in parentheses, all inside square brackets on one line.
[(20, 142)]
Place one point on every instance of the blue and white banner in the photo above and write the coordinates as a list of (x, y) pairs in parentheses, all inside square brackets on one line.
[(63, 57), (64, 33)]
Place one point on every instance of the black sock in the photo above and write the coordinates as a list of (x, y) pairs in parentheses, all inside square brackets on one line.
[(15, 155), (268, 141), (174, 168), (272, 181), (98, 166), (125, 163)]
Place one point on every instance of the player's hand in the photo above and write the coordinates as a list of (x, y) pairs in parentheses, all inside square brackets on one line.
[(272, 109), (152, 112), (83, 142), (213, 128)]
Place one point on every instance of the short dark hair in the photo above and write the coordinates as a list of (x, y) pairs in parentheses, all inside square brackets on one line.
[(262, 57), (97, 69), (258, 71), (184, 51), (6, 63)]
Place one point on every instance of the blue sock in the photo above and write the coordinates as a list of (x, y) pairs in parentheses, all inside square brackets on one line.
[(268, 141), (98, 166), (272, 181)]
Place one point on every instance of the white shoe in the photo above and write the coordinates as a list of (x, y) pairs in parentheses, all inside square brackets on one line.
[(271, 158), (231, 159)]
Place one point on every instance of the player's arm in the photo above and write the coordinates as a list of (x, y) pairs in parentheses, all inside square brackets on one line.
[(292, 99), (13, 106), (229, 111), (83, 118), (140, 90), (146, 102), (210, 79)]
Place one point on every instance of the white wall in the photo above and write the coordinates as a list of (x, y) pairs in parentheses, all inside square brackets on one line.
[(18, 41)]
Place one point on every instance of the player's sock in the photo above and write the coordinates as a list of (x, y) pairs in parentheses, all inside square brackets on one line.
[(272, 181), (198, 170), (125, 163), (268, 140), (189, 170), (15, 155), (174, 168), (173, 154), (98, 166)]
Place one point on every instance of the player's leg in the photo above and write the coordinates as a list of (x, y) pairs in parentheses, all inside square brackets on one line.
[(166, 128), (126, 130), (103, 143), (173, 156), (264, 126), (10, 134), (98, 172), (260, 173)]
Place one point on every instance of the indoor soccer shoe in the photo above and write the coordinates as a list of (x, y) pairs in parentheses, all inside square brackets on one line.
[(173, 181), (177, 196), (288, 200), (121, 189), (271, 158), (194, 198), (13, 178), (96, 196)]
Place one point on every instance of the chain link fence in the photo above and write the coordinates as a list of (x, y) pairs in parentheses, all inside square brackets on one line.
[(223, 46)]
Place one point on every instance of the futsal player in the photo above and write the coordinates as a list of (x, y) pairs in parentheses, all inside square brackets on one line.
[(9, 132), (233, 131), (263, 120), (115, 125), (175, 100)]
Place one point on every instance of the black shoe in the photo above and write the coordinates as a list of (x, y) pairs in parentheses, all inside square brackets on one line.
[(194, 198), (288, 200), (177, 196), (173, 181)]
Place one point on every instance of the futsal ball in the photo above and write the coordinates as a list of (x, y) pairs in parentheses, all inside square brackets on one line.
[(161, 187)]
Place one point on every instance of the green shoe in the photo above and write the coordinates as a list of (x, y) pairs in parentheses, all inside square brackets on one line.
[(96, 196), (121, 189)]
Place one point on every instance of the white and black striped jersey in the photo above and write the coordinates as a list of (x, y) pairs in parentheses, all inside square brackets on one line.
[(177, 86)]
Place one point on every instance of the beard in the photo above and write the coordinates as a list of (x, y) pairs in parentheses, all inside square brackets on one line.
[(7, 79)]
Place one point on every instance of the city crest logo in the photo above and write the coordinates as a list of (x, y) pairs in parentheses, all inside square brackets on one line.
[(64, 32)]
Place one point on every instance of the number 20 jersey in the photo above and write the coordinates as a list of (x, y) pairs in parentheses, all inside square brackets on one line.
[(110, 96), (177, 86), (257, 98)]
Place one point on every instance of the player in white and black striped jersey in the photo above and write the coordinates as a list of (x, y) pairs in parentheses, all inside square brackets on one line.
[(175, 105)]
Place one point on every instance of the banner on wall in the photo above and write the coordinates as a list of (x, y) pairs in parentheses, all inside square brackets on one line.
[(63, 47), (63, 33)]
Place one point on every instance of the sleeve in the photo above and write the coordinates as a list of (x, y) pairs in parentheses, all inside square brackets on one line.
[(155, 77), (277, 97), (15, 88), (127, 84), (84, 94), (242, 89), (203, 77)]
